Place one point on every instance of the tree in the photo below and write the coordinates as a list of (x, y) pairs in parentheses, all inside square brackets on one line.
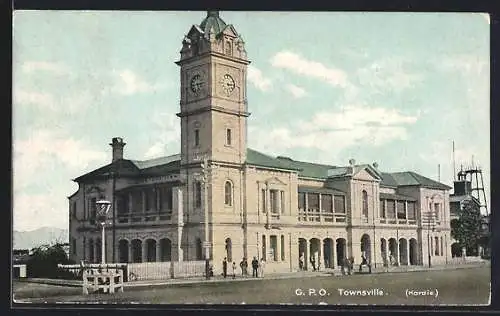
[(44, 260), (467, 229)]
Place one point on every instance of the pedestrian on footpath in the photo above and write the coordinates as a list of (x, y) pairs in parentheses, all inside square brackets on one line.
[(313, 263), (234, 269), (255, 267), (262, 266), (224, 267)]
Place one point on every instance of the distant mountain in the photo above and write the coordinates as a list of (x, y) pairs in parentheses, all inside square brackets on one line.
[(38, 237)]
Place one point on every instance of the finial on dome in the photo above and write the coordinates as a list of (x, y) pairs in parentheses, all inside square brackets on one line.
[(213, 13)]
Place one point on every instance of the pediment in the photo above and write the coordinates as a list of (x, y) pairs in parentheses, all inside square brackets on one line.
[(229, 30), (275, 181), (94, 190), (367, 174), (195, 31)]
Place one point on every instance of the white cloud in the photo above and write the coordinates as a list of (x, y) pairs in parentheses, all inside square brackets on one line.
[(32, 154), (130, 83), (166, 128), (466, 65), (256, 78), (296, 91), (302, 66), (331, 132), (388, 74), (32, 211), (56, 68), (42, 100)]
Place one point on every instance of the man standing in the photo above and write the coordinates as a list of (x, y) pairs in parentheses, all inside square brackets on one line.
[(313, 262), (224, 267), (255, 267), (234, 269)]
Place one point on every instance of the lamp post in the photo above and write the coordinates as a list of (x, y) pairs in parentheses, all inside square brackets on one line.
[(429, 221), (103, 207), (206, 244)]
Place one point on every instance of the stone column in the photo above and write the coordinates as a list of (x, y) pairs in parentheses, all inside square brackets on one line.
[(143, 194), (130, 203), (268, 207), (144, 253), (319, 205), (158, 249), (278, 247), (178, 204), (397, 255), (130, 253), (407, 252), (278, 201), (406, 211), (306, 254)]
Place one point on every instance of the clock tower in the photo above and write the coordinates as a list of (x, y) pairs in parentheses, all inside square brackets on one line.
[(213, 102)]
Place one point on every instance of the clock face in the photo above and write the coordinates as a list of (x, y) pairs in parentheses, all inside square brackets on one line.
[(196, 84), (228, 84)]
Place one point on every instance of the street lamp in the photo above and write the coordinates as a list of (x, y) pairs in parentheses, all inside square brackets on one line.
[(429, 221), (103, 207)]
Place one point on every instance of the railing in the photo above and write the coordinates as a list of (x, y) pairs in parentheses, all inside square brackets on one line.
[(313, 215), (144, 217), (165, 270), (394, 221)]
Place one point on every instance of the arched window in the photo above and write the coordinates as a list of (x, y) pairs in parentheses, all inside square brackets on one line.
[(197, 194), (365, 204), (228, 193)]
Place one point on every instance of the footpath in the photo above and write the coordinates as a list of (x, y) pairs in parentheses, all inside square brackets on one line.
[(268, 276)]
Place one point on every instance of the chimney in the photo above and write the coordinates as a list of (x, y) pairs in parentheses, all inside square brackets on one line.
[(117, 144)]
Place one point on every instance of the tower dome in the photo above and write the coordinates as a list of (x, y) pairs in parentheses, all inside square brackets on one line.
[(212, 21)]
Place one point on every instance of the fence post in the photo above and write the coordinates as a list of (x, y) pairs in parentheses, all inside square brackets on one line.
[(85, 283), (172, 269)]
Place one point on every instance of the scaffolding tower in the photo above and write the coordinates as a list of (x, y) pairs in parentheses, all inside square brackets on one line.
[(474, 175)]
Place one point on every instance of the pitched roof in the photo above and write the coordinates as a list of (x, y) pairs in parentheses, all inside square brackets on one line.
[(171, 163), (410, 178), (398, 197)]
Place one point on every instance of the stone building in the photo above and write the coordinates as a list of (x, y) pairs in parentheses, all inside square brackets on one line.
[(231, 201)]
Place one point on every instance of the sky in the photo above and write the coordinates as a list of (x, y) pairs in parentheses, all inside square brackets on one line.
[(391, 88)]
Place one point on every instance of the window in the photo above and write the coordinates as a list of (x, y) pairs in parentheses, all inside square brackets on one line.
[(326, 203), (197, 137), (228, 137), (150, 200), (74, 209), (282, 199), (93, 208), (437, 209), (228, 193), (339, 201), (365, 204), (197, 194), (274, 201), (313, 201), (264, 247), (282, 248), (263, 198), (411, 209), (382, 209), (401, 210), (273, 241), (436, 247), (302, 201), (229, 49), (391, 209)]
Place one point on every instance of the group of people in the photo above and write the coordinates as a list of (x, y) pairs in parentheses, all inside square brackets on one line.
[(312, 260), (257, 268)]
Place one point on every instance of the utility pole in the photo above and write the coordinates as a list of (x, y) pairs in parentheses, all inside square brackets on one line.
[(429, 222)]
